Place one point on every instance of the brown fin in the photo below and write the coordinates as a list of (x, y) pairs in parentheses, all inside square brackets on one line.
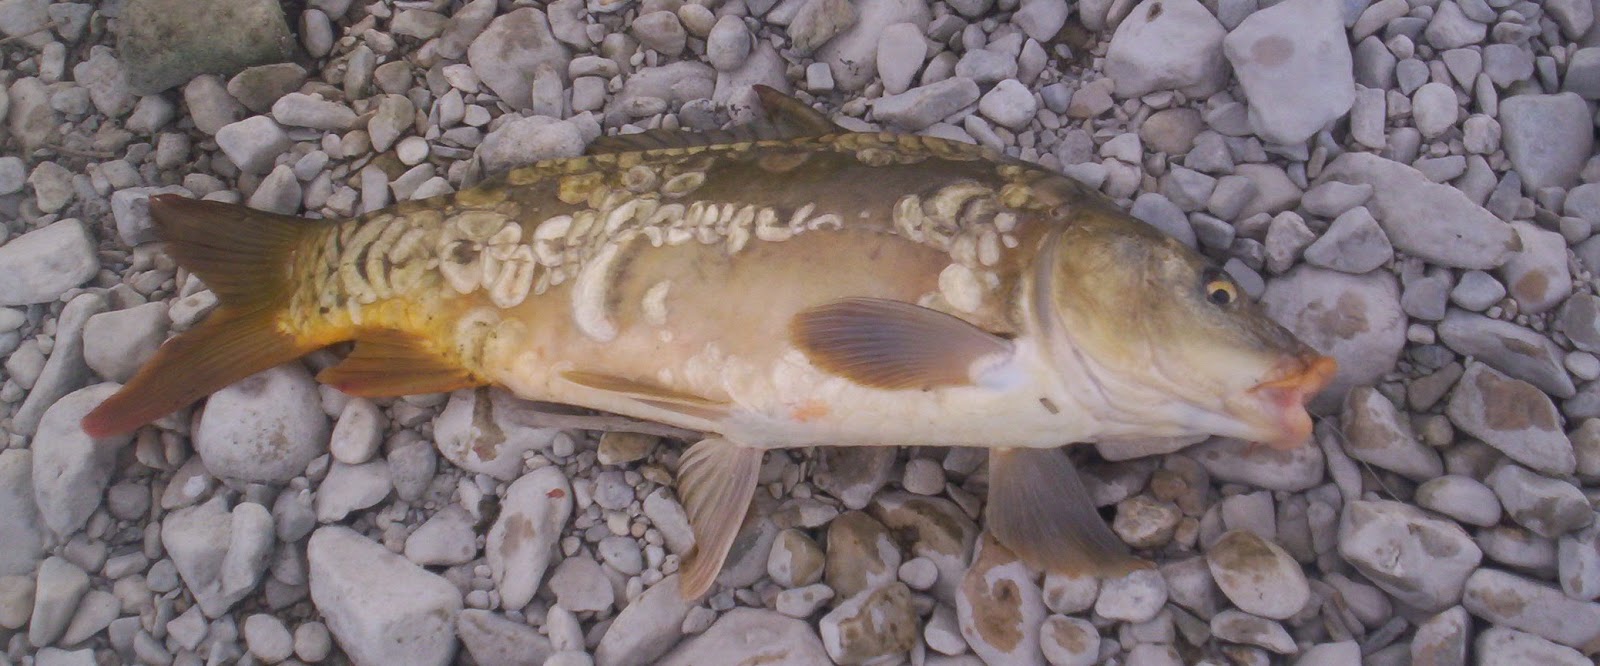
[(650, 394), (388, 363), (1039, 509), (244, 256), (888, 344), (716, 480), (787, 118), (221, 350)]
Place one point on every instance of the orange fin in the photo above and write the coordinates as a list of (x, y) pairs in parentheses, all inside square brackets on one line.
[(388, 363), (651, 395), (221, 350), (716, 481), (1039, 509), (887, 344), (244, 256)]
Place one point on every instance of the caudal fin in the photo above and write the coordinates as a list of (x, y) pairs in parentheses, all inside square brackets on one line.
[(245, 257)]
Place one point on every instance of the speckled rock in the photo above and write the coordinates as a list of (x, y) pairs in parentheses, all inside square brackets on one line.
[(1512, 416), (1421, 560), (872, 625), (1000, 608), (1532, 606), (1257, 575), (523, 538), (1356, 319)]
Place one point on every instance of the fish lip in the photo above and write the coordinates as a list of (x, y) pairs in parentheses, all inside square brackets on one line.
[(1276, 407)]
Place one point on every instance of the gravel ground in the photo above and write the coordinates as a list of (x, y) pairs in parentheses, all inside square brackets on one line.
[(1409, 185)]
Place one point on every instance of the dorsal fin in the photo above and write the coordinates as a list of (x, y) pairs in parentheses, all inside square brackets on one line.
[(787, 118)]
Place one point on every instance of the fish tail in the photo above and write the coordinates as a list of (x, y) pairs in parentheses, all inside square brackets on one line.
[(246, 257)]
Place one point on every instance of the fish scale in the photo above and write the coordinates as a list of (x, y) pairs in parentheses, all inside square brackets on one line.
[(779, 286)]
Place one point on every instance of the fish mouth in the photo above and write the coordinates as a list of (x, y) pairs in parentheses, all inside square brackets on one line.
[(1275, 409)]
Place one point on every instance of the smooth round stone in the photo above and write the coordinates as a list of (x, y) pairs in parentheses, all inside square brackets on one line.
[(1462, 498), (1257, 575)]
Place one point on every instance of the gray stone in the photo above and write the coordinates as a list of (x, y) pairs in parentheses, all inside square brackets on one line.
[(1433, 109), (1167, 45), (920, 107), (302, 110), (1293, 61), (495, 640), (478, 431), (1520, 603), (1512, 416), (1499, 645), (819, 21), (253, 144), (853, 54), (1517, 351), (1424, 219), (60, 585), (1009, 104), (349, 488), (1537, 276), (662, 32), (513, 45), (1354, 318), (1421, 560), (41, 265), (1549, 507), (1257, 575), (1476, 291), (1354, 243), (1547, 137), (1238, 627), (63, 372), (71, 472), (527, 140), (751, 636), (379, 606), (164, 43), (1377, 433), (266, 427), (1462, 498), (1238, 461), (20, 526), (1450, 28), (647, 628), (1443, 638), (729, 44), (131, 209), (116, 344), (521, 542)]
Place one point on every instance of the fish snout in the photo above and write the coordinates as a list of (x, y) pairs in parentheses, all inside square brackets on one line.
[(1283, 398)]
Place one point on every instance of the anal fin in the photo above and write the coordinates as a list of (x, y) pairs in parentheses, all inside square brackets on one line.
[(1039, 509), (651, 395), (716, 481), (389, 363)]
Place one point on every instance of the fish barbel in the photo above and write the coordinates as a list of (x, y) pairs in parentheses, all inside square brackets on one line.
[(779, 285)]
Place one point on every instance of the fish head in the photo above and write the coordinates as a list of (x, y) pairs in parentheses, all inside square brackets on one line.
[(1169, 340)]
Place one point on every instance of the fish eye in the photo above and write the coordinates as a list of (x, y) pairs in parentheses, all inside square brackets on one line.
[(1221, 291)]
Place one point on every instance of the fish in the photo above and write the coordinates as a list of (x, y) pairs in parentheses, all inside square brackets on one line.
[(781, 284)]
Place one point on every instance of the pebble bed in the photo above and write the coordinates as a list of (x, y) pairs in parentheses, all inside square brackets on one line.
[(1409, 185)]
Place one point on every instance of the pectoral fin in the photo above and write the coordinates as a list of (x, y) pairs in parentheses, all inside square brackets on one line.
[(716, 480), (1040, 510), (889, 344), (649, 394)]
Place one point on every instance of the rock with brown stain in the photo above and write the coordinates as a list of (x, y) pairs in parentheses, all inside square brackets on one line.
[(1354, 318), (1422, 560), (1293, 61), (1167, 45), (871, 625), (795, 559), (931, 527), (479, 431), (1549, 507), (1532, 606), (1512, 416), (1001, 608), (1237, 461), (1538, 276), (1375, 432), (1500, 645), (1240, 627), (523, 538), (861, 556), (1069, 641), (1517, 351), (853, 474), (1442, 639), (1257, 575)]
